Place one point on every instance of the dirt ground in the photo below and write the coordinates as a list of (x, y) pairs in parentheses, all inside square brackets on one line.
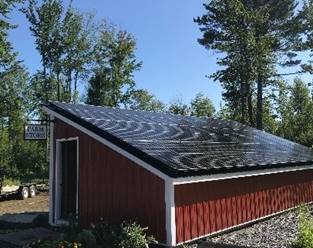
[(36, 204)]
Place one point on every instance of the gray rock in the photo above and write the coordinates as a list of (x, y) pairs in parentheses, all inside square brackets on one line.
[(276, 232)]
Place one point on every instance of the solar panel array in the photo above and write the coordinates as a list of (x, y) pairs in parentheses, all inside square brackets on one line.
[(189, 144)]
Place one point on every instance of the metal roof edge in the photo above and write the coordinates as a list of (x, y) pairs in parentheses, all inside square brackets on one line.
[(165, 172), (225, 176)]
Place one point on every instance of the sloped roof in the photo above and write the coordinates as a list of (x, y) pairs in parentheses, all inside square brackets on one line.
[(182, 146)]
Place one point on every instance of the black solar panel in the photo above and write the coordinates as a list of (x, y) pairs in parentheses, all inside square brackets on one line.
[(185, 145)]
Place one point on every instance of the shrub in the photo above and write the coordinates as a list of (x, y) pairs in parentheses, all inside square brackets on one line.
[(305, 234), (102, 235), (133, 235), (87, 238), (67, 244), (106, 234), (72, 230), (125, 235), (52, 244)]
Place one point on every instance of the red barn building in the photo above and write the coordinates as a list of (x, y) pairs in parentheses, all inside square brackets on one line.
[(183, 177)]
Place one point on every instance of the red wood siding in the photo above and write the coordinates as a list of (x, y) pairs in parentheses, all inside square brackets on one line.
[(115, 188), (203, 208)]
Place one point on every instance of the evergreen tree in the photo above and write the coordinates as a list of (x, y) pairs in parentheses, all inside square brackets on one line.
[(295, 109), (250, 34), (100, 90), (143, 100), (177, 107), (202, 106)]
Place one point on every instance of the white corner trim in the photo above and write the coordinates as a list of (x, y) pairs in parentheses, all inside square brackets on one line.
[(170, 214), (110, 145), (51, 171), (234, 175)]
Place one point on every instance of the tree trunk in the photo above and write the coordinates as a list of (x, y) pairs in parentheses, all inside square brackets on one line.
[(243, 103), (250, 110), (58, 82), (45, 78), (249, 104), (75, 86), (69, 85), (259, 112)]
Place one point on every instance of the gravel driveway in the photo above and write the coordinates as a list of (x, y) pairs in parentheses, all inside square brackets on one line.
[(36, 204), (276, 232)]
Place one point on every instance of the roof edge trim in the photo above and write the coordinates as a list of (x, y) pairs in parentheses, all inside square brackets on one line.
[(234, 175), (176, 180), (109, 144)]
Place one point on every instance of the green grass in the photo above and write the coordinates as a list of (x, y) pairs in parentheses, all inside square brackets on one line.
[(11, 182)]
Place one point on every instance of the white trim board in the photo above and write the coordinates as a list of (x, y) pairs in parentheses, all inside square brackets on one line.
[(234, 175), (170, 224), (51, 172)]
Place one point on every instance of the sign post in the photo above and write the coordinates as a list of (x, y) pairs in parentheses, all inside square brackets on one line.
[(35, 132)]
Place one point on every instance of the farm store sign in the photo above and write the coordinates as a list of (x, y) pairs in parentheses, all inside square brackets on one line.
[(35, 132)]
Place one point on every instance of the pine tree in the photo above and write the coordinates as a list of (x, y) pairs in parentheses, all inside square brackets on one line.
[(202, 106), (143, 100), (250, 34)]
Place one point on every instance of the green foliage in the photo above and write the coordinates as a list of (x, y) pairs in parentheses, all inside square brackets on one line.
[(202, 106), (21, 159), (106, 234), (63, 38), (53, 244), (249, 34), (72, 230), (199, 106), (115, 64), (295, 113), (177, 107), (133, 235), (305, 232), (143, 100), (306, 28), (87, 238), (11, 182), (67, 244), (125, 235)]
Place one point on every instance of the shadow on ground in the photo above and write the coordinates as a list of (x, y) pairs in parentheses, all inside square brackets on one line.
[(19, 229)]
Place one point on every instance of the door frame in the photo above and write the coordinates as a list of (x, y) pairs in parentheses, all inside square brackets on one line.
[(58, 178)]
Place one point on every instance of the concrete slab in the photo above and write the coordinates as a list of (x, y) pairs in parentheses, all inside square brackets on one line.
[(21, 238), (26, 218)]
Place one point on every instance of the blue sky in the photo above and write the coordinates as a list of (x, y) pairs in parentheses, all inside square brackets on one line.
[(174, 64)]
